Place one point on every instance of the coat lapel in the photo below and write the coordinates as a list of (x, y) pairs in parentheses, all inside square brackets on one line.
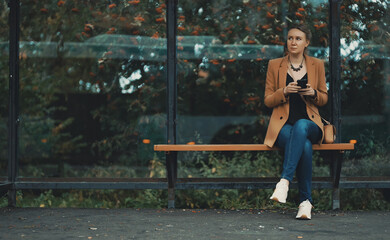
[(310, 71), (283, 73)]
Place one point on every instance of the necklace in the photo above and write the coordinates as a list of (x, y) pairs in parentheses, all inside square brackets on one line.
[(298, 68)]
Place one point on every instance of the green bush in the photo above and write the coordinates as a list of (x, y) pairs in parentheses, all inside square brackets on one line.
[(205, 165), (351, 199)]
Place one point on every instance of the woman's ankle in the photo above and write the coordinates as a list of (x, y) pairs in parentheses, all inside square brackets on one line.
[(284, 181)]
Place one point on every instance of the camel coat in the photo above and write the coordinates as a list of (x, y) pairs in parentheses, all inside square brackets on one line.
[(275, 99)]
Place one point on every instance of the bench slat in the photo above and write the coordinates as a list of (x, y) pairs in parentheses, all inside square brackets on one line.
[(242, 147)]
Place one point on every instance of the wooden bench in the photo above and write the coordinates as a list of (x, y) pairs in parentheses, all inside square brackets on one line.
[(335, 155)]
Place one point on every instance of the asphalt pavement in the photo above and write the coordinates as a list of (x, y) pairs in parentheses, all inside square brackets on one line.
[(71, 223)]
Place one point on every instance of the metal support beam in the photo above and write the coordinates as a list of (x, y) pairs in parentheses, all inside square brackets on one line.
[(335, 96), (171, 97), (335, 65), (191, 183), (90, 185), (337, 158), (13, 118), (5, 187), (171, 166)]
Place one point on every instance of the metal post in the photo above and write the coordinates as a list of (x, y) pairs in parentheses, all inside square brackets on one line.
[(13, 117), (335, 70), (171, 165), (171, 97), (336, 172)]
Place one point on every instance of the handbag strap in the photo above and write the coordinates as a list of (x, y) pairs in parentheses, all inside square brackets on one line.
[(304, 100), (323, 119)]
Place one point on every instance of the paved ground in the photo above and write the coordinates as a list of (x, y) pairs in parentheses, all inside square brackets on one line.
[(43, 223)]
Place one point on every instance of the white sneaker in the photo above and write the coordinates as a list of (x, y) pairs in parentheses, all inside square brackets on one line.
[(304, 211), (280, 192)]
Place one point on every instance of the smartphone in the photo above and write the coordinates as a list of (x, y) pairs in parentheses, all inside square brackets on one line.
[(302, 83)]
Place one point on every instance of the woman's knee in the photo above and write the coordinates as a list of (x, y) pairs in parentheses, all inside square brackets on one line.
[(301, 126)]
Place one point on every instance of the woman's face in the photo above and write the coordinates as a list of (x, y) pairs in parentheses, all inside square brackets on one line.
[(296, 41)]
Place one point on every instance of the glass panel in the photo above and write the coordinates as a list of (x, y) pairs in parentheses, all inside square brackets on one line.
[(365, 40), (4, 73), (223, 52), (92, 87)]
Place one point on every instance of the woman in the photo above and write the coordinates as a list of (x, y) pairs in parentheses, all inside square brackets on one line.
[(295, 122)]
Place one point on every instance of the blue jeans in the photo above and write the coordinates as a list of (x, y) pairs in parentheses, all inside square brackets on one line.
[(297, 140)]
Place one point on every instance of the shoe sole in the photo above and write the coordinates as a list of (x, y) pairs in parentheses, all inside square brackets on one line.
[(277, 200), (304, 217)]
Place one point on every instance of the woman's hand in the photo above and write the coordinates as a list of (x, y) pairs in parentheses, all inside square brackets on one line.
[(307, 91), (292, 87)]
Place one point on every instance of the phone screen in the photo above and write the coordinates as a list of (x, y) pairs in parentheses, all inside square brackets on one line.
[(302, 83)]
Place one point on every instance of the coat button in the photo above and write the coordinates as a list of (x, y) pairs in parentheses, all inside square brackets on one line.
[(281, 117)]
